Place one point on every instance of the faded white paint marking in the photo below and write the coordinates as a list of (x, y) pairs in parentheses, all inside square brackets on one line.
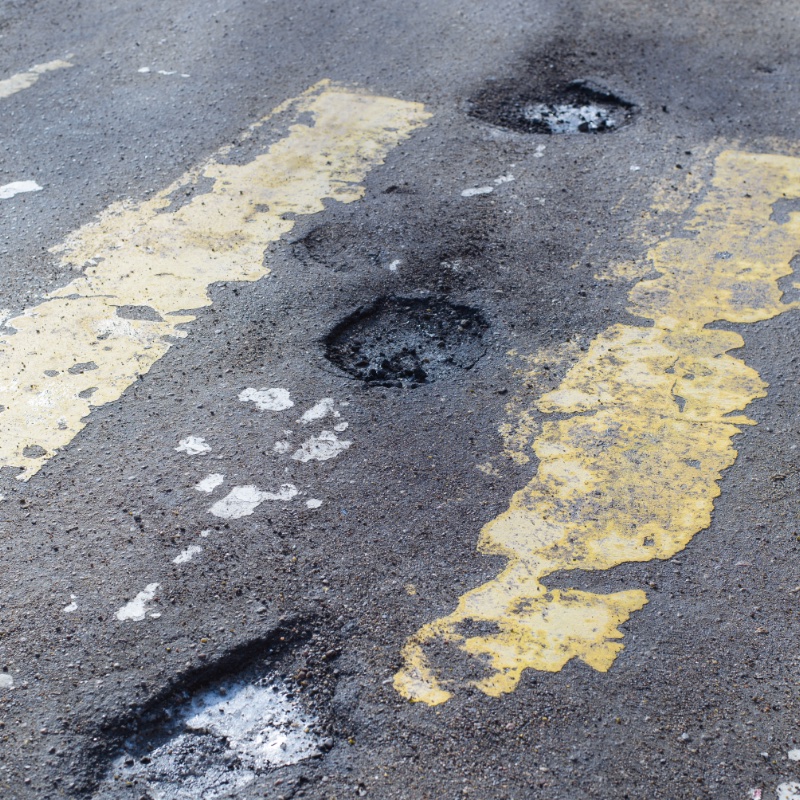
[(205, 534), (321, 448), (137, 608), (6, 681), (341, 426), (242, 501), (312, 503), (477, 190), (282, 447), (267, 399), (145, 70), (188, 554), (193, 446), (754, 794), (788, 791), (504, 179), (394, 265), (794, 755), (210, 482), (73, 606), (18, 187), (540, 148), (24, 80), (319, 411)]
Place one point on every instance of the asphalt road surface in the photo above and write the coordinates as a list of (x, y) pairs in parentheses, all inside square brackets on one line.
[(398, 400)]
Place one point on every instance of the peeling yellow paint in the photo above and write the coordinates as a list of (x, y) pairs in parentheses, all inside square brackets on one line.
[(633, 473), (73, 352), (24, 80), (534, 373)]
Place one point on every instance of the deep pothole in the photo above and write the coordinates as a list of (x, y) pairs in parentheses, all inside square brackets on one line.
[(399, 341), (577, 107), (215, 739)]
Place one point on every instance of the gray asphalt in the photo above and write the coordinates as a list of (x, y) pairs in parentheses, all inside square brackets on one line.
[(702, 702)]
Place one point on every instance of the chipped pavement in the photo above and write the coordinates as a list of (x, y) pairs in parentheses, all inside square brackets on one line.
[(399, 402)]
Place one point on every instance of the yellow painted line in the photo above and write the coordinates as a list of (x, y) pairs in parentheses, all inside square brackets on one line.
[(24, 80), (632, 474), (73, 352)]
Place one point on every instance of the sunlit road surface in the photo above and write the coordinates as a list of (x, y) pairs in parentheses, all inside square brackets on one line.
[(399, 401)]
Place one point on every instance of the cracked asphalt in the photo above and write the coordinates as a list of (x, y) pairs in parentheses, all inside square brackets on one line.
[(510, 250)]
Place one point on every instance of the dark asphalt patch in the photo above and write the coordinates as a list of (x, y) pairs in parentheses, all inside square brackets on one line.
[(407, 341), (576, 107)]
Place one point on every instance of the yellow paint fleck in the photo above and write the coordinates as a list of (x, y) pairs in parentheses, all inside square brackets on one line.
[(24, 80), (632, 474), (73, 352)]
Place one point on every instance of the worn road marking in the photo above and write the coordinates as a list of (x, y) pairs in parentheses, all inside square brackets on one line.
[(18, 187), (73, 352), (242, 501), (24, 80), (632, 473)]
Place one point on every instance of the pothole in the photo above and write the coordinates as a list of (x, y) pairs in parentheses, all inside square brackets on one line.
[(218, 741), (407, 341), (577, 107)]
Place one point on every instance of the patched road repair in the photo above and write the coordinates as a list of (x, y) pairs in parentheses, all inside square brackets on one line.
[(399, 400)]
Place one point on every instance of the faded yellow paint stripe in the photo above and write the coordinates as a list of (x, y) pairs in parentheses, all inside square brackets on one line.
[(24, 80), (73, 352), (632, 474)]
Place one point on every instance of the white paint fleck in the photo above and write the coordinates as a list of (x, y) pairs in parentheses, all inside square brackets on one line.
[(754, 794), (229, 735), (242, 501), (540, 148), (187, 555), (6, 681), (18, 187), (321, 448), (634, 168), (137, 609), (267, 399), (341, 426), (794, 755), (477, 190), (193, 446), (394, 265), (319, 411), (210, 482), (73, 606), (145, 70), (205, 534), (788, 791), (504, 179), (282, 447), (313, 503)]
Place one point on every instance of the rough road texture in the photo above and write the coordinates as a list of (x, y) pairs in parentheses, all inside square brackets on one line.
[(701, 702)]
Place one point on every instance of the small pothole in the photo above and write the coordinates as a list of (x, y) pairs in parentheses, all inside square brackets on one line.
[(577, 107), (400, 341)]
